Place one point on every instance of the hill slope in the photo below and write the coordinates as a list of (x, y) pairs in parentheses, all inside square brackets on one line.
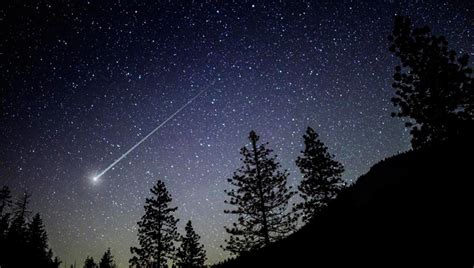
[(412, 208)]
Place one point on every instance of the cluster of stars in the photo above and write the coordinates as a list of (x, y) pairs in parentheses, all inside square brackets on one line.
[(85, 82)]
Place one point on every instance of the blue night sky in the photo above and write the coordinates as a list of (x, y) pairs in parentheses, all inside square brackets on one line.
[(82, 82)]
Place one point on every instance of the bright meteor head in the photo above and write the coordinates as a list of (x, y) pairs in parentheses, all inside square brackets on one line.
[(95, 179)]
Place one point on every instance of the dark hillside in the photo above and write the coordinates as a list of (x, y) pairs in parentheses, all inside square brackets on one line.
[(412, 209)]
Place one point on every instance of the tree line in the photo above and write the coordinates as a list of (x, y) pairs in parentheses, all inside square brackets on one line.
[(157, 235), (433, 91), (259, 197), (23, 240), (107, 261)]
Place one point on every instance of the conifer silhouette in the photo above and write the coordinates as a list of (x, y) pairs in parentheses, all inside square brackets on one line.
[(191, 254), (17, 236), (5, 203), (433, 86), (107, 260), (156, 230), (321, 176), (90, 263), (260, 197), (38, 243), (23, 242), (5, 199)]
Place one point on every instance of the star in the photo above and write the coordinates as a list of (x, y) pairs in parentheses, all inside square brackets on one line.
[(79, 84)]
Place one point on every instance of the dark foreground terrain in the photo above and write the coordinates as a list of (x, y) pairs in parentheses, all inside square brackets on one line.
[(410, 210)]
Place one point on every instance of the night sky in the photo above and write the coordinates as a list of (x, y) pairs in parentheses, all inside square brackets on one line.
[(83, 82)]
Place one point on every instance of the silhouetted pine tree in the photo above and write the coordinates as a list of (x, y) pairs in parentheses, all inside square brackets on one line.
[(51, 262), (261, 198), (5, 199), (17, 235), (321, 176), (38, 243), (56, 261), (107, 260), (5, 202), (191, 254), (90, 263), (157, 230), (4, 223), (18, 225), (433, 85), (23, 244)]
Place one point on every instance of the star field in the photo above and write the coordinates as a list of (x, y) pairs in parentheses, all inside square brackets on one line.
[(82, 82)]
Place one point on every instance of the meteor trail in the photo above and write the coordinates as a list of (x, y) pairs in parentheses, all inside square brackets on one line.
[(96, 178)]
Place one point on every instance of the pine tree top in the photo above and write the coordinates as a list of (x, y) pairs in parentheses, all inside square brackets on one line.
[(156, 229), (259, 197), (107, 260), (191, 253), (321, 176), (433, 85)]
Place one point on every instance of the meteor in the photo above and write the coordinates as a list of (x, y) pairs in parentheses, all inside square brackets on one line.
[(95, 179)]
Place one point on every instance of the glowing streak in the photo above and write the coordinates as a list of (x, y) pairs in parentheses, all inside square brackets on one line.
[(96, 178)]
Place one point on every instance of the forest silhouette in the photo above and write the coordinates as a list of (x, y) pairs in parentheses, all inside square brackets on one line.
[(412, 208)]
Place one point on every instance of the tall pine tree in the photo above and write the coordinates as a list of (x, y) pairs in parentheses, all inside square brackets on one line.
[(5, 202), (90, 263), (321, 176), (107, 260), (23, 243), (434, 87), (191, 254), (18, 225), (5, 199), (157, 230), (17, 235), (38, 243), (260, 197)]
